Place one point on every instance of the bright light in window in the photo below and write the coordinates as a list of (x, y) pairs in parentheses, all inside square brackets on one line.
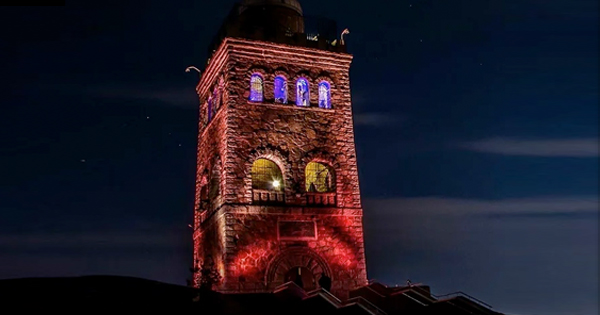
[(276, 184)]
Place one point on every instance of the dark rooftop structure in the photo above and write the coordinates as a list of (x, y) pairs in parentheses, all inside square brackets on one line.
[(279, 21)]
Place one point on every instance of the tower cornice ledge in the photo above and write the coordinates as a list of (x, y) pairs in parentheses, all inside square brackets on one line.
[(245, 48)]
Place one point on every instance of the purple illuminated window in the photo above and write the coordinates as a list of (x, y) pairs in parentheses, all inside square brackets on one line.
[(324, 95), (302, 95), (280, 90), (256, 88)]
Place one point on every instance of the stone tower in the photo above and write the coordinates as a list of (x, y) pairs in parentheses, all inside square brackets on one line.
[(277, 190)]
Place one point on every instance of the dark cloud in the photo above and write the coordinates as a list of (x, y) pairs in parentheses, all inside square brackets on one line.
[(587, 147), (377, 119), (177, 96), (512, 254), (111, 240)]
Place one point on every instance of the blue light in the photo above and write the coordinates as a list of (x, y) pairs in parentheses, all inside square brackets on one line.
[(324, 95), (280, 90), (302, 95), (256, 88)]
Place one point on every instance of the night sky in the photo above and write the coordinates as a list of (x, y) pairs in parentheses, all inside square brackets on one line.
[(476, 129)]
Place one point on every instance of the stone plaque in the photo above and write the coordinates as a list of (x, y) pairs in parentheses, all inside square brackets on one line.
[(297, 230)]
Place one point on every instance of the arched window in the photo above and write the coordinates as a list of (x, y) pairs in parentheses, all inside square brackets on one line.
[(209, 109), (256, 88), (319, 178), (213, 184), (266, 175), (302, 94), (324, 95), (280, 89)]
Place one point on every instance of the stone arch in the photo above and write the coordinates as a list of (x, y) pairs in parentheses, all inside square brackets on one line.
[(282, 72), (324, 76), (201, 181), (271, 154), (203, 190), (323, 157), (295, 257), (215, 179), (202, 178), (310, 87), (320, 156), (263, 72)]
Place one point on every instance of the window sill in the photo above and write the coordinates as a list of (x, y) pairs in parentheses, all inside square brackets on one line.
[(321, 199), (260, 196), (279, 105)]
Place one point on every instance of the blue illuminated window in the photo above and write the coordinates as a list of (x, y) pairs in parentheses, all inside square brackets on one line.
[(256, 88), (324, 95), (302, 94), (280, 90)]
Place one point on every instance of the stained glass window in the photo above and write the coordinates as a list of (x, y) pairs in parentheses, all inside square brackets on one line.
[(319, 178), (256, 88), (324, 95), (266, 175), (302, 95), (280, 89)]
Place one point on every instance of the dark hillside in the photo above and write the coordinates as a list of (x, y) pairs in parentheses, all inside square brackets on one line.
[(96, 293)]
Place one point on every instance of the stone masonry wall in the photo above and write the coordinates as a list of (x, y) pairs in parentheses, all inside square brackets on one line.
[(243, 236), (253, 246)]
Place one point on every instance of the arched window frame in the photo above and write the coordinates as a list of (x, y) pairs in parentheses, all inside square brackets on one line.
[(267, 183), (209, 110), (324, 94), (203, 201), (214, 183), (302, 97), (257, 85), (280, 89), (328, 185)]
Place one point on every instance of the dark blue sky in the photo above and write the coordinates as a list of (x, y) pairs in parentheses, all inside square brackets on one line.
[(476, 130)]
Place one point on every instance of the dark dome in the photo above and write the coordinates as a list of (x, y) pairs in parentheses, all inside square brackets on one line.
[(291, 4)]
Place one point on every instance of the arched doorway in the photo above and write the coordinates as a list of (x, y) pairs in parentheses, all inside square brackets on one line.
[(301, 276), (286, 266)]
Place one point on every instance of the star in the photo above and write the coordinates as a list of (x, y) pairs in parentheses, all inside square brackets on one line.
[(147, 117)]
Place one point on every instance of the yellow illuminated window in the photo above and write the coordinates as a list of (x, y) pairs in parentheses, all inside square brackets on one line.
[(266, 175), (319, 178)]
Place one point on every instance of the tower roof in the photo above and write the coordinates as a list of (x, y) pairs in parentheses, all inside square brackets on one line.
[(291, 4)]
